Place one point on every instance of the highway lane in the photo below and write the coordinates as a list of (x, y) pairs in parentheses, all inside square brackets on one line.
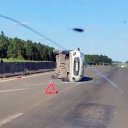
[(99, 101), (21, 94)]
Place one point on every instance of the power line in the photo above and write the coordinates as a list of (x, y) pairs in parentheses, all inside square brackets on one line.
[(33, 30)]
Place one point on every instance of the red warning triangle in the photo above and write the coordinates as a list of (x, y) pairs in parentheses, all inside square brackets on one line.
[(18, 77), (50, 89)]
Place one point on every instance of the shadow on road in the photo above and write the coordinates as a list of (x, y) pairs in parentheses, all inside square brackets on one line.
[(86, 79)]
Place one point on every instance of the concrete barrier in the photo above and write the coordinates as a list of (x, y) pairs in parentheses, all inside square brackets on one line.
[(24, 68)]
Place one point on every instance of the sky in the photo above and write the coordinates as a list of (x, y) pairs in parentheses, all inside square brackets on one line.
[(105, 24)]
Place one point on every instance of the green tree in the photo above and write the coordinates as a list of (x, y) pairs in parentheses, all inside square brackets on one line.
[(36, 52), (4, 42), (98, 59), (16, 48), (29, 50)]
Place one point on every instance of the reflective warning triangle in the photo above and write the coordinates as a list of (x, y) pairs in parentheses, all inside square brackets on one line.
[(50, 89)]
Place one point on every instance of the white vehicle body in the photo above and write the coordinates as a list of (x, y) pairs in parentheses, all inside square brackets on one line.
[(70, 65), (76, 66)]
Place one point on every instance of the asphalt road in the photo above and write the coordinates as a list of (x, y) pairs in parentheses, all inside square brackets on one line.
[(99, 101)]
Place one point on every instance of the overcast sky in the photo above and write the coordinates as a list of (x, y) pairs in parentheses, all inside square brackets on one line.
[(105, 23)]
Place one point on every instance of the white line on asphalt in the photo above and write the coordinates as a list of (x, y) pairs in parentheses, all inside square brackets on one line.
[(10, 118), (113, 84), (14, 90), (78, 83), (24, 77), (86, 82), (96, 75), (106, 78), (39, 103), (43, 82)]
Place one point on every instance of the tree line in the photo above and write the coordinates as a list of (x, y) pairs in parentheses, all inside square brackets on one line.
[(98, 59), (28, 50)]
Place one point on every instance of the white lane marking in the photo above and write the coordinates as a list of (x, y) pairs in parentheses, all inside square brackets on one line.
[(45, 82), (39, 103), (113, 84), (14, 90), (96, 75), (56, 95), (106, 78), (87, 82), (63, 82), (25, 77), (10, 118), (78, 83)]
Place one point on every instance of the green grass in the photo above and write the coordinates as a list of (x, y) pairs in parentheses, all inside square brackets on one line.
[(19, 60), (14, 60)]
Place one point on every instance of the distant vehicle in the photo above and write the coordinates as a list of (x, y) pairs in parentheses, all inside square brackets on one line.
[(69, 65), (122, 66)]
